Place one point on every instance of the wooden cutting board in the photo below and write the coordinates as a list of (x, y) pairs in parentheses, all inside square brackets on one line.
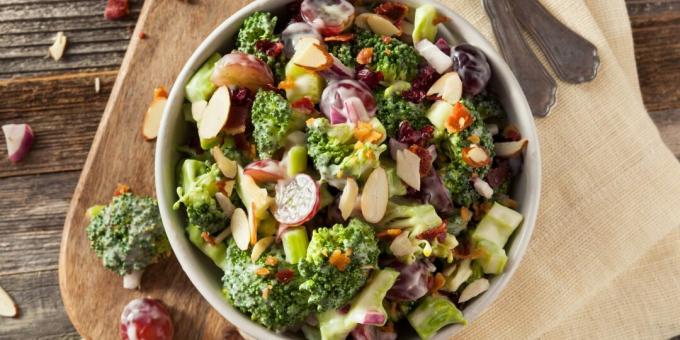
[(93, 296)]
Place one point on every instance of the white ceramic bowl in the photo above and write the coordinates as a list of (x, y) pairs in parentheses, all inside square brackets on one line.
[(203, 273)]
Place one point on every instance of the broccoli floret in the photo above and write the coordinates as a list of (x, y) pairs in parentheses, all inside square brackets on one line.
[(197, 193), (364, 158), (273, 119), (127, 235), (393, 109), (230, 150), (393, 57), (418, 217), (257, 27), (487, 105), (257, 288), (328, 145), (345, 52), (456, 173), (329, 283)]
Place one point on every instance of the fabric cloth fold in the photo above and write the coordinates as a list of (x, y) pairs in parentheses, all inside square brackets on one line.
[(606, 244)]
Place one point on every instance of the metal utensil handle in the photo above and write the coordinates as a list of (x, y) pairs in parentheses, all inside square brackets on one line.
[(539, 87), (574, 59)]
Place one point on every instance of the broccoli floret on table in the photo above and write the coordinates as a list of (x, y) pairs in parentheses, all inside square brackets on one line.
[(396, 59), (393, 109), (259, 26), (267, 289), (197, 193), (328, 145), (127, 235), (337, 263), (273, 119)]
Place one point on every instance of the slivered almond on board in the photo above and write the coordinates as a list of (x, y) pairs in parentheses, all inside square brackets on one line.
[(153, 115)]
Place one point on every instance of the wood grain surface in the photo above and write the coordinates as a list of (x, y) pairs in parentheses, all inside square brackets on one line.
[(35, 195)]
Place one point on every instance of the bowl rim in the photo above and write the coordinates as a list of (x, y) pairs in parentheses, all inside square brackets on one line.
[(186, 253)]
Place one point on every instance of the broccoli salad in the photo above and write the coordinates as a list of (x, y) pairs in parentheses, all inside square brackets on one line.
[(349, 171)]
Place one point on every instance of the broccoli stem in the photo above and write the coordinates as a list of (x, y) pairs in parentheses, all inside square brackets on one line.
[(199, 86), (432, 314), (297, 160), (217, 253), (295, 242), (133, 279)]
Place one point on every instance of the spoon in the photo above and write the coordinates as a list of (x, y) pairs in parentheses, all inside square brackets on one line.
[(539, 87), (574, 59)]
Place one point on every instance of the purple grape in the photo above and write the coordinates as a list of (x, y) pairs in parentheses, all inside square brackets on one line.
[(473, 68)]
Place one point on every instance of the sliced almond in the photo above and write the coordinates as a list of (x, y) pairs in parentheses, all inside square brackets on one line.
[(197, 109), (482, 187), (225, 203), (229, 187), (228, 167), (510, 149), (260, 247), (314, 58), (57, 49), (153, 115), (475, 156), (472, 290), (408, 168), (253, 222), (304, 42), (378, 24), (348, 198), (240, 228), (7, 306), (374, 197), (449, 87), (215, 115)]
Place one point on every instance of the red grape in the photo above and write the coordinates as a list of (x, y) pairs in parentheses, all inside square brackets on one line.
[(293, 33), (473, 68), (338, 93), (146, 319), (329, 17)]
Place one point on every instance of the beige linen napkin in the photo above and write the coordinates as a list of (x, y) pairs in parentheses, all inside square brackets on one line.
[(610, 195)]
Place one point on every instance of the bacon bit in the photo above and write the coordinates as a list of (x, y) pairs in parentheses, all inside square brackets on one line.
[(425, 158), (392, 10), (465, 214), (243, 144), (287, 84), (389, 233), (431, 234), (271, 261), (270, 48), (339, 260), (262, 271), (285, 275), (121, 189), (511, 133), (475, 156), (439, 19), (386, 39), (265, 292), (142, 35), (460, 119), (339, 38), (438, 283), (208, 239), (474, 139), (116, 9), (303, 105), (365, 56)]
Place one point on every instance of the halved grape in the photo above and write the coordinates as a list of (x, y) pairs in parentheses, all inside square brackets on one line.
[(329, 17), (146, 319), (473, 68), (338, 95), (297, 200)]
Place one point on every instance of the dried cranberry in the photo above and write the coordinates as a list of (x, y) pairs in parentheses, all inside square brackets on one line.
[(425, 158), (409, 136), (285, 275), (392, 10), (242, 97), (424, 79), (270, 48), (368, 77), (498, 175)]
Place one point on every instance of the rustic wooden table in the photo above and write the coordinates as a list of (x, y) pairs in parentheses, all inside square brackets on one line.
[(58, 99)]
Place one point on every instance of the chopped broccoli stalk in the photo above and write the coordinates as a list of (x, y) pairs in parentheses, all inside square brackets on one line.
[(345, 52), (217, 253), (297, 160), (368, 304), (397, 88), (396, 59), (200, 87), (493, 257), (127, 235), (273, 119), (257, 27), (394, 184), (335, 265), (424, 23), (207, 144), (365, 158), (197, 193), (477, 272), (295, 242), (432, 314), (497, 225), (274, 303), (328, 145), (418, 217), (392, 110), (462, 274), (305, 84)]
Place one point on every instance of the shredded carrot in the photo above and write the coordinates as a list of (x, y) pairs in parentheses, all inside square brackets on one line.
[(389, 233), (287, 84), (271, 261), (365, 56), (339, 260), (262, 271), (474, 139), (438, 283), (207, 238)]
